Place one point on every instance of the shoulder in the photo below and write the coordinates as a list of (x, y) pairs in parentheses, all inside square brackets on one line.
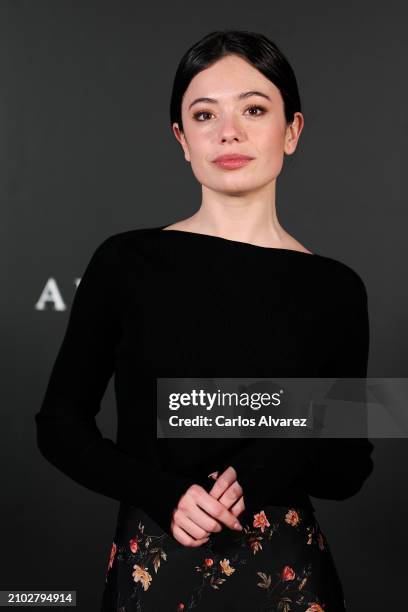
[(111, 255), (341, 280), (117, 244)]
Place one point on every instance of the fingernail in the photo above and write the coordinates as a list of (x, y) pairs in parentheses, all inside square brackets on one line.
[(237, 526)]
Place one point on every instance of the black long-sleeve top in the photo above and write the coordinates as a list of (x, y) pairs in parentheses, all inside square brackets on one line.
[(157, 303)]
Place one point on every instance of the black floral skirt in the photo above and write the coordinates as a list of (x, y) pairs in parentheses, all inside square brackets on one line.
[(280, 561)]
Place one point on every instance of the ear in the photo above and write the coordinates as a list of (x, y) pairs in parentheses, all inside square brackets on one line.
[(179, 134), (293, 132)]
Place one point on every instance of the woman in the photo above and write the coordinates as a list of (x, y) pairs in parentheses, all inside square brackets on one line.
[(213, 524)]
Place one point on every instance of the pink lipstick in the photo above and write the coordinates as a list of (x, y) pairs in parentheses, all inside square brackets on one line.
[(232, 161)]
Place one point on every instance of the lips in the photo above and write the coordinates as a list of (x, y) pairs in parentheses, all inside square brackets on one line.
[(232, 157), (231, 162)]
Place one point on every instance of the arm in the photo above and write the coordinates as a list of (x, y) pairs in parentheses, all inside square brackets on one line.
[(327, 468), (338, 467), (67, 433)]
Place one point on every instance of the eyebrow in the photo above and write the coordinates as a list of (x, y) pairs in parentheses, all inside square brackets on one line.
[(245, 94)]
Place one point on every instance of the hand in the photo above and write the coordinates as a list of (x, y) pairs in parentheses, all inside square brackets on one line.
[(198, 513)]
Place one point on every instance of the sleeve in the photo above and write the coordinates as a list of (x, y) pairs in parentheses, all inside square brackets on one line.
[(67, 433), (326, 468)]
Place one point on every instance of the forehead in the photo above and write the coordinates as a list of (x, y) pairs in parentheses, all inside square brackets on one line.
[(227, 78)]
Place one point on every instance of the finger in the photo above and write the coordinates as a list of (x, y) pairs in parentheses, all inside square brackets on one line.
[(214, 508), (231, 495), (238, 507), (189, 525), (223, 481), (181, 536), (195, 513)]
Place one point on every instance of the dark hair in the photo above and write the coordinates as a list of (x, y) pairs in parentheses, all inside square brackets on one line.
[(256, 48)]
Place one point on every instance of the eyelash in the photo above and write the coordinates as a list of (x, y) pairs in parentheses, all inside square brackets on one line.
[(196, 115)]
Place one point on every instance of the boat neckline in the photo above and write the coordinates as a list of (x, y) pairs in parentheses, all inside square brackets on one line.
[(236, 242)]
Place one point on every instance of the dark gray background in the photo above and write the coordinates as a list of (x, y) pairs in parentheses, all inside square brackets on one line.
[(87, 151)]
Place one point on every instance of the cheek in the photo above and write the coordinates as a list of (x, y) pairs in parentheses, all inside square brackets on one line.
[(271, 141), (201, 153), (271, 149), (200, 163), (200, 149)]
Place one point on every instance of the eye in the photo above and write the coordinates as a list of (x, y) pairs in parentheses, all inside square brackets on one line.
[(196, 115), (259, 108)]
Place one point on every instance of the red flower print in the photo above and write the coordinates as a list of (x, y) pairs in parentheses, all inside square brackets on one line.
[(261, 521), (314, 607), (292, 517), (180, 607), (133, 545), (208, 562), (288, 573), (112, 555)]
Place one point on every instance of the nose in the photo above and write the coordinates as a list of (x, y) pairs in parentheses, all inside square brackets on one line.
[(230, 130), (229, 138)]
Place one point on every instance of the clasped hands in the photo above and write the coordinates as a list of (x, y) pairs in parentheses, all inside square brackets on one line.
[(199, 513)]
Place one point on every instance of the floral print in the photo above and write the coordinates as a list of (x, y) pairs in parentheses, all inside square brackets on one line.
[(142, 575), (112, 555), (261, 521), (292, 517), (280, 561)]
